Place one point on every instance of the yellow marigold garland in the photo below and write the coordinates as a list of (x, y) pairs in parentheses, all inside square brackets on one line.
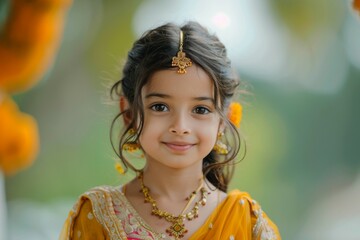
[(235, 113)]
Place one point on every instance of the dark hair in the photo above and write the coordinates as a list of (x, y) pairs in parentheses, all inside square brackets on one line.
[(153, 52)]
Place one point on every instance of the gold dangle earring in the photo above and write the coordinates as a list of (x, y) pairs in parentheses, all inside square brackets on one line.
[(131, 146), (220, 147)]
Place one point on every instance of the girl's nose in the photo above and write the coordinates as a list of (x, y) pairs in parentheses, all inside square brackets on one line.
[(180, 125)]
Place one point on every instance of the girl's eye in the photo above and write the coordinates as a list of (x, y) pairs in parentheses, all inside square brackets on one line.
[(159, 108), (201, 110)]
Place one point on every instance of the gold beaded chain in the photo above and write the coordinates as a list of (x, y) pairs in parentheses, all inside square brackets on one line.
[(177, 228)]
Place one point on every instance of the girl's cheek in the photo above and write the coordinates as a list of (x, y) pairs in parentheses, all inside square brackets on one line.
[(152, 123)]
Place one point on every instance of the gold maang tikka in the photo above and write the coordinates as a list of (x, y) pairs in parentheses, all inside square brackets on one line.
[(180, 60)]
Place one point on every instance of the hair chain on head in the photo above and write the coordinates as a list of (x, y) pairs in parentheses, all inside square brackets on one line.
[(181, 60)]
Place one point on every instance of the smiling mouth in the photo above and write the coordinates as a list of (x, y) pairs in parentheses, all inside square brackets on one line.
[(179, 146)]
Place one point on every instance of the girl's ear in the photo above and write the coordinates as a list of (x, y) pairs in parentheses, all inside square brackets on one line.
[(124, 107)]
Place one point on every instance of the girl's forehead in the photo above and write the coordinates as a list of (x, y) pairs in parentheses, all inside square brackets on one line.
[(195, 82)]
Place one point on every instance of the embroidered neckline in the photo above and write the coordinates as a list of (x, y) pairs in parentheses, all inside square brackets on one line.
[(120, 194)]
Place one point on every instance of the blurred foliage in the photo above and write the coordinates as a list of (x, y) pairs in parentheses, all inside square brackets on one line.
[(305, 17)]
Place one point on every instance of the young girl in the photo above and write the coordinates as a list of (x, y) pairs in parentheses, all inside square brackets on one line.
[(176, 88)]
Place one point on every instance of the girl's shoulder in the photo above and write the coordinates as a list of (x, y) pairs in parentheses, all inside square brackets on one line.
[(103, 193), (105, 213), (103, 201), (96, 208), (262, 226)]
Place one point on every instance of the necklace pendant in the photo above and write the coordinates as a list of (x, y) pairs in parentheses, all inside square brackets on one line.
[(177, 229)]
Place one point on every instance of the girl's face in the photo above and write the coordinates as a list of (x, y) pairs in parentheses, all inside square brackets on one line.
[(180, 120)]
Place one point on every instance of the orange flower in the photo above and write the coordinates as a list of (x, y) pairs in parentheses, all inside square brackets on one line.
[(29, 40), (235, 113), (19, 141), (356, 5)]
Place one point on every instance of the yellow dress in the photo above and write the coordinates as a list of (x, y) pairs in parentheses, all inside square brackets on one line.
[(105, 213)]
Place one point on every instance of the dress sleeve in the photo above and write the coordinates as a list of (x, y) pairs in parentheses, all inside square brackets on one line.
[(82, 223), (262, 226)]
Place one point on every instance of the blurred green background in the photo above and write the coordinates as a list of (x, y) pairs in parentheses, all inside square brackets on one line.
[(301, 62)]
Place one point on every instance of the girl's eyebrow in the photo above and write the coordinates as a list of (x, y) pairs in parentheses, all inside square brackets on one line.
[(161, 95), (205, 99)]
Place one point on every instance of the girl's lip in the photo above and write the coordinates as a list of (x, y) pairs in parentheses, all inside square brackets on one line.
[(177, 146)]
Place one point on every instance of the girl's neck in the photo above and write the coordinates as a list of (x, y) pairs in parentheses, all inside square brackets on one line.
[(173, 184)]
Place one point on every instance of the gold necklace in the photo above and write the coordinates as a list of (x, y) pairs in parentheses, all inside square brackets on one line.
[(177, 228)]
